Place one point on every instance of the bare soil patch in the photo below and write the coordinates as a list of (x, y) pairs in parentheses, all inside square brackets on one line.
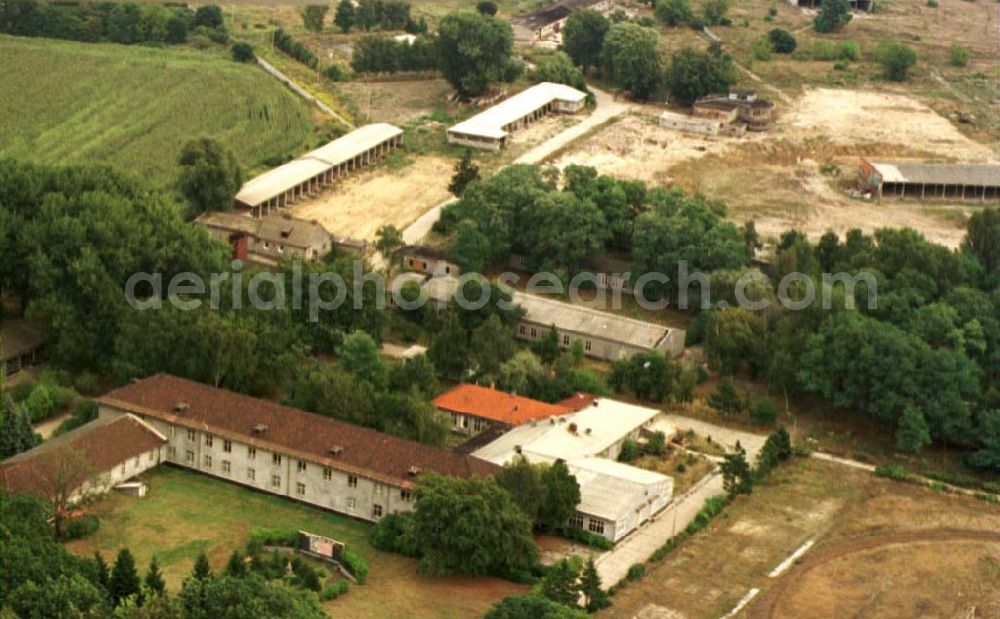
[(397, 101), (382, 195)]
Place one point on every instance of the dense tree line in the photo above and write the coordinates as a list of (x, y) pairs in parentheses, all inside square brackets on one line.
[(295, 48), (377, 14), (474, 50), (375, 53), (124, 23)]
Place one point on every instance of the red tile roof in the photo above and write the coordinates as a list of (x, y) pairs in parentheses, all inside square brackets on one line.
[(290, 431), (496, 405), (67, 461)]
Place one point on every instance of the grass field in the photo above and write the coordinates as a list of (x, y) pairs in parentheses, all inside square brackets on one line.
[(882, 549), (185, 514), (63, 102)]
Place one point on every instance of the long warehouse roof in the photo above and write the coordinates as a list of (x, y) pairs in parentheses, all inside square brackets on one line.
[(490, 123), (276, 181), (939, 173)]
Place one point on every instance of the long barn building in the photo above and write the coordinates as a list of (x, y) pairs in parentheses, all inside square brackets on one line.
[(933, 181), (310, 173)]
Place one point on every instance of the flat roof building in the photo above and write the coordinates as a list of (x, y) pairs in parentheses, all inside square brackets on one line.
[(489, 129), (306, 175), (474, 408), (615, 498), (932, 181), (604, 335)]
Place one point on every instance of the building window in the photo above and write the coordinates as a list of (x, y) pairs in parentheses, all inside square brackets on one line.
[(276, 459), (565, 340), (208, 440), (586, 345), (596, 526), (225, 466), (208, 462), (191, 435), (276, 481), (576, 520), (189, 456), (135, 462), (227, 446), (302, 466), (534, 332), (251, 453), (352, 481), (152, 456), (173, 432), (327, 473), (300, 489), (376, 511), (405, 495), (521, 329), (478, 424), (251, 474), (351, 504)]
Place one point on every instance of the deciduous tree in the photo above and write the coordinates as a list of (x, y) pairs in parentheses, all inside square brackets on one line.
[(210, 176), (583, 37), (631, 58), (474, 50)]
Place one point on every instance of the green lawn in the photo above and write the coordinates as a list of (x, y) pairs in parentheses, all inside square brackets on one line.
[(186, 513), (65, 102)]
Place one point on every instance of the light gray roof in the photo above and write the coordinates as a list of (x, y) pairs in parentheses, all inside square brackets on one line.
[(20, 336), (278, 180), (939, 173), (568, 317), (610, 490), (282, 229), (490, 123)]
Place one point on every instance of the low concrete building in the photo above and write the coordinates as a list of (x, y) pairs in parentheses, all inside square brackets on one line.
[(87, 461), (857, 5), (429, 261), (264, 241), (615, 498), (604, 335), (546, 23), (690, 124), (932, 181), (272, 448), (739, 106), (22, 344), (488, 130), (315, 170), (474, 409)]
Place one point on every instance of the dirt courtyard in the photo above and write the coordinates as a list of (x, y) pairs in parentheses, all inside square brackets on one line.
[(875, 540), (357, 207), (794, 174)]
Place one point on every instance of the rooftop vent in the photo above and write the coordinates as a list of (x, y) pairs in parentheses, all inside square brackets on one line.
[(286, 232), (594, 404), (181, 407), (552, 421), (588, 431), (572, 428), (413, 471), (259, 428), (336, 450), (562, 420), (517, 449)]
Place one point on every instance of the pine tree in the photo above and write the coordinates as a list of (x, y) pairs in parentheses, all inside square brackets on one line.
[(236, 567), (103, 574), (736, 474), (465, 173), (154, 579), (24, 432), (9, 437), (124, 578), (594, 597), (344, 17), (560, 583), (201, 569)]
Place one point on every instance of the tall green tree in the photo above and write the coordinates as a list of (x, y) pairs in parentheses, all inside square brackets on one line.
[(560, 583), (583, 37), (562, 495), (594, 597), (896, 59), (313, 17), (201, 569), (694, 73), (474, 51), (982, 239), (235, 567), (251, 596), (465, 172), (523, 481), (673, 12), (558, 68), (631, 59), (491, 345), (124, 578), (154, 579), (389, 242), (210, 175), (344, 16), (450, 348), (833, 15), (737, 477), (328, 390), (360, 357)]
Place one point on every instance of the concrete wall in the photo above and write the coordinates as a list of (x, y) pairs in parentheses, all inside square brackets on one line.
[(191, 449), (474, 142)]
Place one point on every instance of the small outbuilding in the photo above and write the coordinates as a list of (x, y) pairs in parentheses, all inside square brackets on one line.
[(546, 23), (22, 344)]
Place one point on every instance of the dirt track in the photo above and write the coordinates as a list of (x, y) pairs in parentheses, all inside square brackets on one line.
[(764, 606)]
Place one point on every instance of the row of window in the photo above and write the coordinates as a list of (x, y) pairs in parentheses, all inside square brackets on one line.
[(594, 526), (135, 462), (523, 331)]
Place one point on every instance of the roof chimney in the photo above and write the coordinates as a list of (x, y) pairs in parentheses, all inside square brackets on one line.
[(587, 431), (259, 428), (181, 407), (336, 450), (572, 428), (413, 471)]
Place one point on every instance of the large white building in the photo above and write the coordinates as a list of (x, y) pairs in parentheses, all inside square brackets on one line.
[(615, 498), (489, 129)]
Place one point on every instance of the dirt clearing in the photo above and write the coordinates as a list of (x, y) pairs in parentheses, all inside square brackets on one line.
[(382, 195)]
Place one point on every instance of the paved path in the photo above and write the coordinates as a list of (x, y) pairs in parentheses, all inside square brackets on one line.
[(48, 426), (640, 545)]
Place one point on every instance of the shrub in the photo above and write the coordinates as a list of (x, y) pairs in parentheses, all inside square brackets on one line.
[(763, 411), (782, 41), (680, 468), (629, 451), (81, 527), (636, 571), (334, 591), (84, 412), (893, 471), (772, 12), (357, 566), (389, 535), (587, 538), (761, 49), (22, 390), (46, 400), (823, 49), (959, 56), (242, 52), (896, 59), (932, 4), (725, 399), (274, 536), (850, 50), (335, 74), (87, 383)]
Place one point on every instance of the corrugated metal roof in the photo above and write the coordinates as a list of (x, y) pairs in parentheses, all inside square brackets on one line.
[(939, 173), (489, 123), (569, 317), (610, 490), (276, 181)]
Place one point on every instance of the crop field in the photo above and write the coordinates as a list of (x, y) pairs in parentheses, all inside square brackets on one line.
[(63, 102), (185, 514), (882, 549)]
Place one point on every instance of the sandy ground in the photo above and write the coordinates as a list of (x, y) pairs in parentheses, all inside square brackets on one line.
[(774, 177), (361, 204)]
